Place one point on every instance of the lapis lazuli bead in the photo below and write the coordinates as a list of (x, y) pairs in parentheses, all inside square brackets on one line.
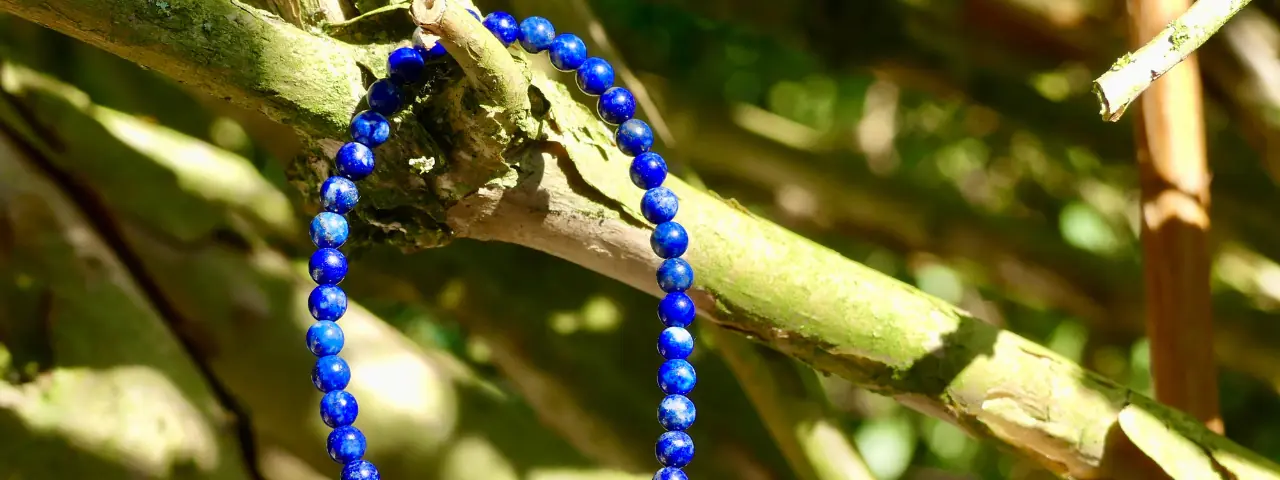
[(370, 128), (677, 377), (428, 45), (346, 444), (669, 240), (474, 13), (676, 310), (328, 266), (648, 170), (338, 408), (659, 205), (503, 26), (675, 275), (595, 76), (634, 137), (536, 34), (339, 194), (616, 105), (354, 160), (384, 97), (327, 302), (669, 473), (675, 343), (330, 373), (329, 230), (676, 413), (405, 65), (675, 449), (325, 338), (360, 470), (567, 52)]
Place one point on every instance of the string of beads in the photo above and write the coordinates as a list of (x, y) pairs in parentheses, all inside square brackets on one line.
[(355, 161)]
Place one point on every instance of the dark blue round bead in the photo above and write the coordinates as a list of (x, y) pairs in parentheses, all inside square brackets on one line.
[(567, 52), (328, 266), (474, 13), (669, 473), (675, 343), (634, 137), (676, 413), (405, 65), (675, 449), (616, 105), (595, 76), (339, 194), (669, 240), (354, 161), (346, 444), (675, 275), (327, 302), (370, 128), (648, 170), (339, 408), (536, 34), (503, 26), (325, 338), (676, 310), (659, 205), (428, 45), (360, 470), (384, 97), (330, 373), (676, 377), (329, 230)]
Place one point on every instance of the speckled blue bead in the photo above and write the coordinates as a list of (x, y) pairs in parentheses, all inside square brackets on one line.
[(503, 26), (405, 65), (567, 52), (659, 205), (536, 34), (616, 105), (338, 408), (354, 161), (676, 413), (669, 240), (327, 302), (669, 473), (329, 230), (474, 13), (634, 137), (346, 444), (325, 338), (328, 266), (339, 194), (330, 373), (384, 97), (675, 275), (428, 45), (360, 470), (648, 170), (595, 76), (675, 449), (370, 128), (675, 343), (677, 377), (676, 310)]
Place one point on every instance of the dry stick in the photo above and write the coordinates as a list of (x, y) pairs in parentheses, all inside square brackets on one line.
[(1134, 72)]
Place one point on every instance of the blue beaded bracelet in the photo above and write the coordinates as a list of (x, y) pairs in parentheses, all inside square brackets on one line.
[(355, 161)]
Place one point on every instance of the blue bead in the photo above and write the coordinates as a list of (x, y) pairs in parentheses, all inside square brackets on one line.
[(330, 373), (567, 52), (339, 194), (677, 377), (675, 275), (676, 310), (428, 45), (405, 65), (354, 161), (503, 26), (648, 170), (325, 338), (327, 302), (676, 413), (370, 128), (675, 449), (616, 105), (634, 137), (339, 408), (474, 13), (329, 230), (328, 266), (669, 473), (595, 76), (360, 470), (536, 34), (384, 97), (659, 205), (669, 240), (675, 343), (346, 444)]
